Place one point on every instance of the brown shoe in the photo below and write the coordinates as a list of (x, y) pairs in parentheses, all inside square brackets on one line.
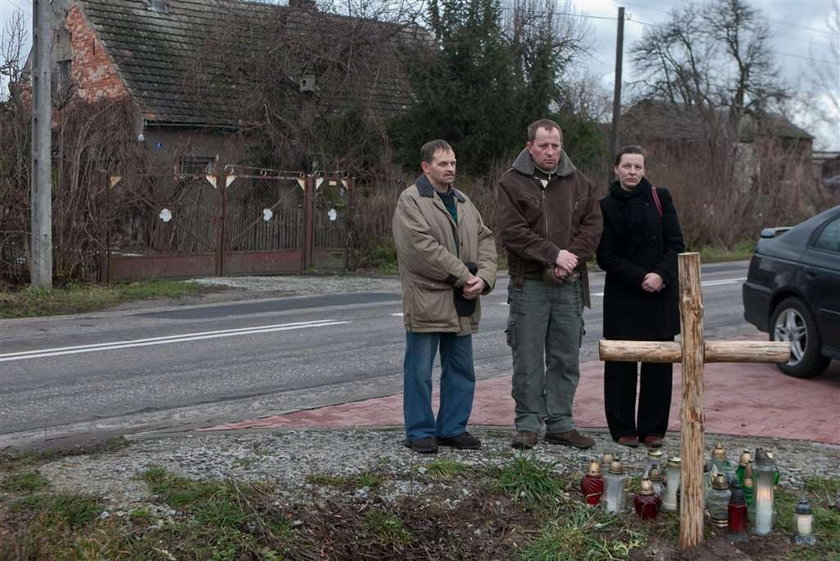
[(524, 440), (630, 441), (569, 438), (653, 441)]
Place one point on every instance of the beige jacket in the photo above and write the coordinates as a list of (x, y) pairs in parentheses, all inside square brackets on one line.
[(432, 251)]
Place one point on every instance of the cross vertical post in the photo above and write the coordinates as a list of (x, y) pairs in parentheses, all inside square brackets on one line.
[(692, 415)]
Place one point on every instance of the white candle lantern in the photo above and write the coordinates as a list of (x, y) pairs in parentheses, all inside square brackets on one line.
[(669, 501), (804, 522), (764, 473)]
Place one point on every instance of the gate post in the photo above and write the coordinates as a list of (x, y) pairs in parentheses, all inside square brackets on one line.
[(308, 221), (220, 223), (351, 209), (105, 232)]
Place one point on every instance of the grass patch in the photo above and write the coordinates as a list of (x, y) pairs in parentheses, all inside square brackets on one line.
[(75, 298), (60, 508), (445, 469), (739, 252), (529, 480), (24, 482), (384, 529), (583, 534)]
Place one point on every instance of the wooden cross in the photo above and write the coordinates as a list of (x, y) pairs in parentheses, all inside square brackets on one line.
[(692, 351)]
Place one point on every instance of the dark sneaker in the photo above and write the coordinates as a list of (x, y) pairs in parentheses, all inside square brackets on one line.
[(464, 441), (653, 441), (630, 441), (524, 440), (426, 445), (569, 438)]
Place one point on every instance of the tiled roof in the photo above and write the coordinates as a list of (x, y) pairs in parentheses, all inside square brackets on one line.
[(660, 120), (201, 60)]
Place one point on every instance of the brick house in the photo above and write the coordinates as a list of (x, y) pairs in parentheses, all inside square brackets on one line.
[(145, 87), (191, 69)]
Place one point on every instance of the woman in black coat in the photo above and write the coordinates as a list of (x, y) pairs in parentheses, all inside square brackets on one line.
[(638, 251)]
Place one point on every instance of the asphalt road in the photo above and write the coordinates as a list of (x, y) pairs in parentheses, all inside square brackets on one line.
[(87, 376)]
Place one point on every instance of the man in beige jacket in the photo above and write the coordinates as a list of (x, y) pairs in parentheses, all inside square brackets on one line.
[(447, 259)]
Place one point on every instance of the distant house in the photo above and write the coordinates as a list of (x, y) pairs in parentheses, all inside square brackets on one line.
[(679, 131), (827, 168), (199, 72)]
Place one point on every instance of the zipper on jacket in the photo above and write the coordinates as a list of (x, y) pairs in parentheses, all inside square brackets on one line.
[(545, 213)]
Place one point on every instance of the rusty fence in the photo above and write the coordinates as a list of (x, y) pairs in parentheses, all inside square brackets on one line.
[(239, 221)]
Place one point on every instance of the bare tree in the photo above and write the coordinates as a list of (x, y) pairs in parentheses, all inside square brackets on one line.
[(13, 37), (717, 56), (824, 74), (754, 81), (14, 152)]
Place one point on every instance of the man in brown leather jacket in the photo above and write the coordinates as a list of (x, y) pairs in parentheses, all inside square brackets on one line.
[(550, 224)]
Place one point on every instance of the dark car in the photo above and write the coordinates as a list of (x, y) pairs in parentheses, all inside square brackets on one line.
[(793, 291)]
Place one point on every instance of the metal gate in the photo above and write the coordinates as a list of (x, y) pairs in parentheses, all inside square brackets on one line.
[(241, 221), (263, 221)]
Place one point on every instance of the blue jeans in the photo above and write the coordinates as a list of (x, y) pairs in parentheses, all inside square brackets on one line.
[(457, 384), (545, 329)]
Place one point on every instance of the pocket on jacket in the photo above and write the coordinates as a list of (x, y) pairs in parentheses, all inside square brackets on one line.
[(531, 207), (579, 206), (433, 303)]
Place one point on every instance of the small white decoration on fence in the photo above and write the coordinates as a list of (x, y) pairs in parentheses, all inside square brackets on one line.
[(267, 214), (166, 215), (332, 214)]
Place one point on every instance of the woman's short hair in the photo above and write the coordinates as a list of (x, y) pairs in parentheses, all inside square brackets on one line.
[(629, 149)]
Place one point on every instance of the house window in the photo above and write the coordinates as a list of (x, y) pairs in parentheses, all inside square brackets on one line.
[(61, 81), (197, 165), (158, 6)]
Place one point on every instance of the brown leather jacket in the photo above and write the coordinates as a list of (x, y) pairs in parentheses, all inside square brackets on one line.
[(541, 214)]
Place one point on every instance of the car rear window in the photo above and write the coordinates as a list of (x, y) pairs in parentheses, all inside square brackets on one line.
[(829, 238)]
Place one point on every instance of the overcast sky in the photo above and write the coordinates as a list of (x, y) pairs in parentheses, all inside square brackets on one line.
[(799, 33), (799, 29)]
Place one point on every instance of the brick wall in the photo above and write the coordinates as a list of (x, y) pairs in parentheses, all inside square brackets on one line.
[(92, 69)]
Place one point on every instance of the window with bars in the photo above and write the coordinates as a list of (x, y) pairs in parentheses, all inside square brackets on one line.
[(197, 165)]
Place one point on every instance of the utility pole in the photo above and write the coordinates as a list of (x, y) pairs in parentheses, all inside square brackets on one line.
[(619, 53), (41, 263)]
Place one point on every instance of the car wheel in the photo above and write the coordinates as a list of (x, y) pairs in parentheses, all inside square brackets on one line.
[(793, 323)]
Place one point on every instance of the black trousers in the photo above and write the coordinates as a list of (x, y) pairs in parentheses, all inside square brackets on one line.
[(620, 380)]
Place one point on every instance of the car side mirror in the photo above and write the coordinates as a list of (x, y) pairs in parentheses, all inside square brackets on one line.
[(774, 232)]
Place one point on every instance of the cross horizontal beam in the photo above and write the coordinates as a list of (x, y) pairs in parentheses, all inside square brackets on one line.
[(713, 351)]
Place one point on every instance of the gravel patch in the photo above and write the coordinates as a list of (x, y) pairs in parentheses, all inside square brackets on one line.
[(289, 456), (306, 285)]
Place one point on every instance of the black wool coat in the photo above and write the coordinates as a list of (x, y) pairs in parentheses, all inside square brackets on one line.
[(636, 241)]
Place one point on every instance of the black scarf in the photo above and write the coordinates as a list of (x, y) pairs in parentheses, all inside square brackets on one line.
[(633, 206)]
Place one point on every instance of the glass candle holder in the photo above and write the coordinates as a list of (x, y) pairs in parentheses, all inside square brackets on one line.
[(669, 500), (764, 475), (614, 481), (737, 519), (592, 485), (804, 524), (717, 502), (646, 502)]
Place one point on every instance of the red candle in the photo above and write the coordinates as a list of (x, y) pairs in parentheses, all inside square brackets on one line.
[(592, 485)]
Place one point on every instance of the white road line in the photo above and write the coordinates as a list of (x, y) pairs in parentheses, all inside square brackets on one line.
[(60, 351), (706, 283), (399, 315)]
